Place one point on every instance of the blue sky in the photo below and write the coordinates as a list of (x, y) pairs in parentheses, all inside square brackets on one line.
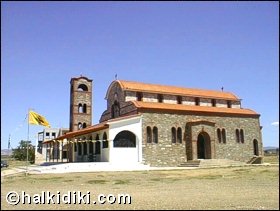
[(205, 45)]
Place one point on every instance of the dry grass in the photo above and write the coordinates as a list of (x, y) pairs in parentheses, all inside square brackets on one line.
[(250, 187)]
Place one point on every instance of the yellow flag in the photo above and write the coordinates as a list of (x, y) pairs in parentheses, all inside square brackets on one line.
[(37, 119)]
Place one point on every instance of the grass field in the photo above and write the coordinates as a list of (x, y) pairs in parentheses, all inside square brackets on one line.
[(249, 187)]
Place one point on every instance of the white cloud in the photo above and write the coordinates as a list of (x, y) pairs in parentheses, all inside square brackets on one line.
[(275, 123)]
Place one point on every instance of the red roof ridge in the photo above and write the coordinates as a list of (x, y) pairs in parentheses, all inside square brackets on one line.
[(192, 108), (175, 90)]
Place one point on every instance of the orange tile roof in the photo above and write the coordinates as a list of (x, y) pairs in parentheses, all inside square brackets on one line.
[(188, 108), (89, 129), (173, 90)]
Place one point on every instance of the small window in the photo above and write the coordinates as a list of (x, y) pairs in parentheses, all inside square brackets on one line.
[(179, 99), (160, 98), (47, 134), (139, 96), (237, 136), (173, 132), (84, 125), (242, 136), (197, 101), (229, 104), (80, 126), (155, 135), (80, 108), (53, 135), (84, 108), (213, 102), (224, 136), (219, 135), (179, 135), (149, 134)]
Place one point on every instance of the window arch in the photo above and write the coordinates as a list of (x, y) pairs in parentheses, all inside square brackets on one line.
[(242, 136), (219, 135), (105, 141), (160, 98), (149, 134), (80, 108), (179, 135), (179, 99), (80, 126), (237, 135), (224, 135), (84, 125), (97, 137), (125, 139), (139, 96), (85, 108), (82, 87), (155, 135), (115, 111), (173, 132)]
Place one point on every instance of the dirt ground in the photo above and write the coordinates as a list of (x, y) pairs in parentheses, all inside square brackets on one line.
[(249, 187)]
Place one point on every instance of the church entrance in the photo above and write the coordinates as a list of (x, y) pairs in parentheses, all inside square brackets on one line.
[(203, 146)]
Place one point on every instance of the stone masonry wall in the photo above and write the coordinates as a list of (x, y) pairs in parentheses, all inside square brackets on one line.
[(164, 153)]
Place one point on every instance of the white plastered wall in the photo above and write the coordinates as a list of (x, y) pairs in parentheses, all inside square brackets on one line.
[(126, 155)]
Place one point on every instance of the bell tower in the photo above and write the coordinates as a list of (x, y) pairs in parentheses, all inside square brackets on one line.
[(80, 103)]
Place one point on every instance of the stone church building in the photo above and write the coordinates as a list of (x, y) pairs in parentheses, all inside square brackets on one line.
[(156, 125)]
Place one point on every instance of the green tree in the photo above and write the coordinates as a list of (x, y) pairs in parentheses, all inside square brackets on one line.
[(20, 153)]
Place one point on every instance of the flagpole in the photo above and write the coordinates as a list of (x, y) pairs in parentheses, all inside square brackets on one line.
[(27, 143)]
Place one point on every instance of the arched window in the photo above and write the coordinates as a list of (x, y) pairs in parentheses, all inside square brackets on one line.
[(237, 136), (160, 98), (80, 108), (80, 126), (125, 139), (219, 135), (155, 135), (224, 136), (229, 104), (82, 87), (213, 101), (85, 108), (97, 137), (115, 111), (173, 132), (242, 136), (197, 101), (105, 141), (179, 99), (149, 134), (84, 125), (139, 96), (179, 135)]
